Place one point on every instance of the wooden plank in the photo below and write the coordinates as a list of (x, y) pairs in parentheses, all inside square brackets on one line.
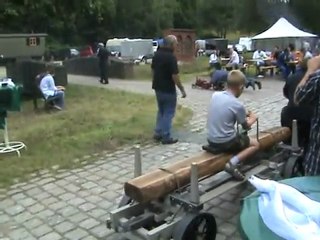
[(163, 181)]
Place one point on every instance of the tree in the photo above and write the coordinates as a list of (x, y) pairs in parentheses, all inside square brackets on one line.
[(307, 12), (217, 15)]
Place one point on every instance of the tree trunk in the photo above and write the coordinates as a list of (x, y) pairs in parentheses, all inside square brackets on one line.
[(163, 181)]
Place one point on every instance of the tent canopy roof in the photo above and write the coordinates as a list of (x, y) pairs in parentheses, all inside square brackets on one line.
[(282, 29)]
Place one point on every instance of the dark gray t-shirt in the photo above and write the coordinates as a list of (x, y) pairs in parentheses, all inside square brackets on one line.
[(225, 110)]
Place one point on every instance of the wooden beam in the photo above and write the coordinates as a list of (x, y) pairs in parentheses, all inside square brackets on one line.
[(163, 181)]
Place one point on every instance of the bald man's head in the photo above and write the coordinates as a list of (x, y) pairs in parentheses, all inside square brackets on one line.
[(170, 41)]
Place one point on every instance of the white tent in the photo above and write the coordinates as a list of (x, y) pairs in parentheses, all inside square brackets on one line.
[(283, 29), (281, 34)]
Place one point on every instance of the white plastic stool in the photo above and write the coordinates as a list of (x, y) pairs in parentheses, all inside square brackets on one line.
[(9, 147)]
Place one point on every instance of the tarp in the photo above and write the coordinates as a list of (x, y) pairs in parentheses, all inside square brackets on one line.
[(283, 29), (251, 223)]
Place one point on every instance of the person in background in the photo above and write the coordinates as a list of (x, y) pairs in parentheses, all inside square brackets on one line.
[(302, 113), (306, 54), (219, 77), (103, 55), (50, 91), (283, 61), (308, 93), (275, 55), (214, 60), (165, 79), (259, 56), (234, 59), (293, 56), (225, 110)]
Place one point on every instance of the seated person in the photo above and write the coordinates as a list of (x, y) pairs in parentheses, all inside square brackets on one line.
[(259, 56), (303, 113), (225, 111), (214, 60), (50, 91), (275, 56), (234, 59)]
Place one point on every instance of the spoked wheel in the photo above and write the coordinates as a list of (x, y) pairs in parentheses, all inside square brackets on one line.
[(293, 167), (197, 226)]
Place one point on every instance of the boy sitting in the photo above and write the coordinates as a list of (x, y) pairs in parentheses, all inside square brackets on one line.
[(225, 110)]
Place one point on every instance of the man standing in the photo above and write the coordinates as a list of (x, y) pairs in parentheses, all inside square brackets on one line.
[(103, 56), (234, 59), (308, 92), (225, 110), (165, 78)]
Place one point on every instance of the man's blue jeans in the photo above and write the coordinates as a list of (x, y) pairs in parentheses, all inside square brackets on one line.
[(57, 98), (167, 103)]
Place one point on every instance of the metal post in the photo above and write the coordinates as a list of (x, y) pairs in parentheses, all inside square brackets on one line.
[(194, 191), (137, 161), (294, 136), (6, 134)]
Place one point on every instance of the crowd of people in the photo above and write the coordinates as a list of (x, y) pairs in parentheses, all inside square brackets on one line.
[(286, 60), (226, 112)]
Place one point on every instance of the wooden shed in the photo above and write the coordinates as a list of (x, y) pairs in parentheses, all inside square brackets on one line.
[(22, 45)]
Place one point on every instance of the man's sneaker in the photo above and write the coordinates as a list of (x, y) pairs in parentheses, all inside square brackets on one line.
[(57, 107), (169, 141), (234, 172)]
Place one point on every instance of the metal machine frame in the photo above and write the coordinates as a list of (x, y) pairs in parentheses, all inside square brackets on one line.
[(180, 215)]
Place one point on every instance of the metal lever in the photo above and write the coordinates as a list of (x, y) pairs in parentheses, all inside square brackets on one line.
[(294, 136), (137, 162), (194, 191)]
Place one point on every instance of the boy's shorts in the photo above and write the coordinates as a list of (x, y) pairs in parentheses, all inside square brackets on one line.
[(235, 145)]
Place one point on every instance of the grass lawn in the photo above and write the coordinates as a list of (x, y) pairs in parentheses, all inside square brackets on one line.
[(95, 119), (188, 71)]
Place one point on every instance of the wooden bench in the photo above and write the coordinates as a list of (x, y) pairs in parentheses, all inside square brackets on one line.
[(272, 69)]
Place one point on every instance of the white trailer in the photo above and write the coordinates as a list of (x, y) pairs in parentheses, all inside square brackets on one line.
[(131, 49)]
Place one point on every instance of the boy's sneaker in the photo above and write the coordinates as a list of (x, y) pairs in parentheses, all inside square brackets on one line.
[(234, 172), (258, 84)]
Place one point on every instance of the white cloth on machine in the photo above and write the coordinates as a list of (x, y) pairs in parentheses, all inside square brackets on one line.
[(286, 211)]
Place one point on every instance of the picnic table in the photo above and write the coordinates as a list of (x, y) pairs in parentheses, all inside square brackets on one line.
[(294, 62), (224, 60), (266, 60)]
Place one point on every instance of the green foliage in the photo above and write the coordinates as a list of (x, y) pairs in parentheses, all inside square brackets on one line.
[(86, 21)]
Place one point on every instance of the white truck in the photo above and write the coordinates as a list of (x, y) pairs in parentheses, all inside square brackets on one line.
[(131, 49), (245, 43)]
